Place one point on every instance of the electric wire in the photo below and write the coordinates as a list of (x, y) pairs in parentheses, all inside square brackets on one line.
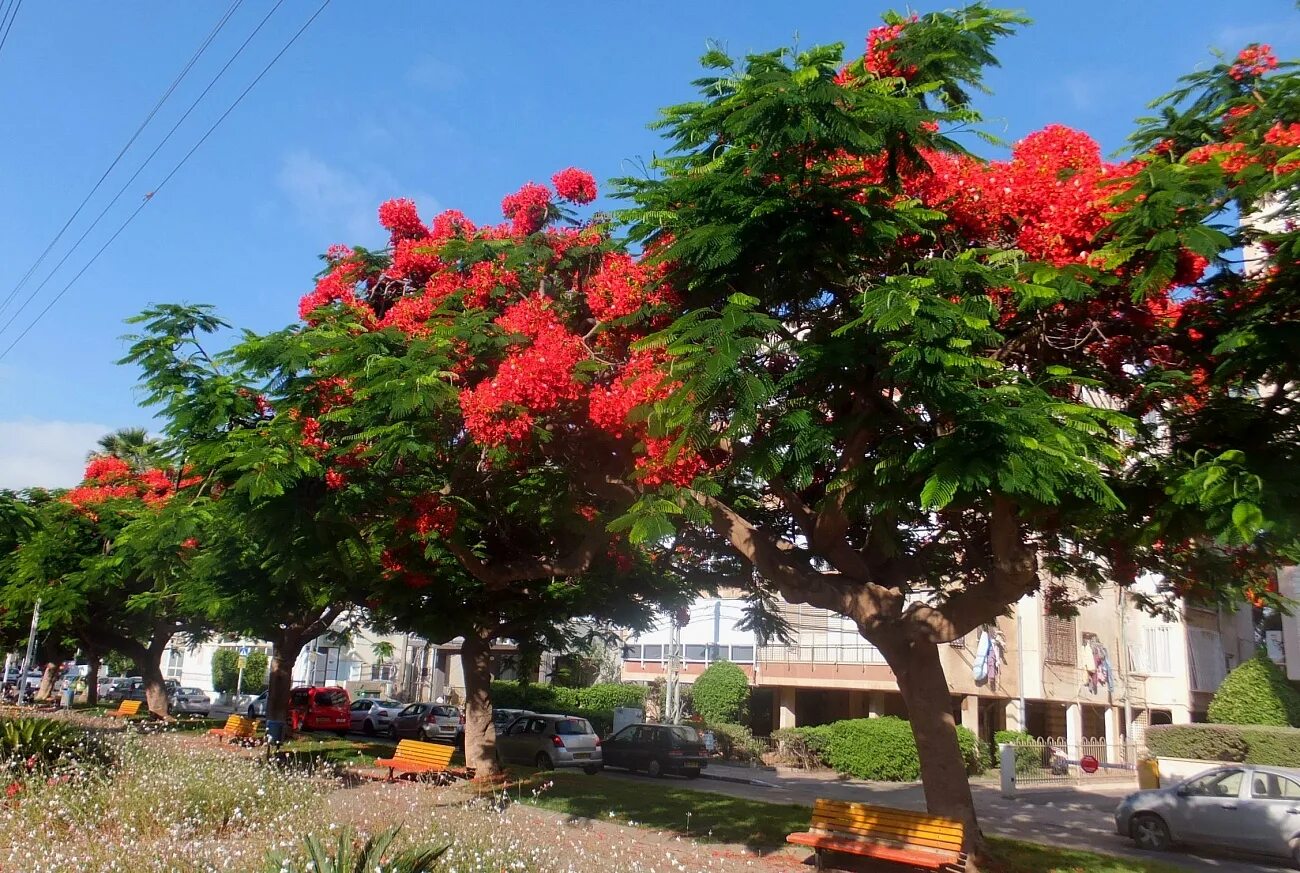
[(6, 26), (176, 81), (166, 179), (140, 169)]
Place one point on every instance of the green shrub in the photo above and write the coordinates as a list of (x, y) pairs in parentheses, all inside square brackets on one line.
[(1257, 692), (255, 673), (878, 749), (349, 854), (1029, 755), (596, 703), (39, 743), (611, 696), (721, 693), (972, 751), (805, 746), (1272, 747), (225, 670), (602, 720), (735, 742), (1199, 742)]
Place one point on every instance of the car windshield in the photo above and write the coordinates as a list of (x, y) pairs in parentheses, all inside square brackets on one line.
[(571, 726), (331, 697), (446, 712), (191, 691)]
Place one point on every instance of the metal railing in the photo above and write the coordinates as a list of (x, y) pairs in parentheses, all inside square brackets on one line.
[(821, 654), (1057, 760)]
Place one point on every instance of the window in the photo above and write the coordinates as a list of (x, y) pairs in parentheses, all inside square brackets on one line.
[(175, 661), (1270, 786), (1060, 640), (653, 653), (742, 654), (631, 653), (697, 653), (1158, 652), (1220, 783), (573, 727), (383, 672), (1209, 666)]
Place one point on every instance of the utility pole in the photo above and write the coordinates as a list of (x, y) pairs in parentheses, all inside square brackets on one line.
[(1121, 604), (31, 651), (672, 691)]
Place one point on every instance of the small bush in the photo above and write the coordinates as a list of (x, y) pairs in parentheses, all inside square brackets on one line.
[(736, 742), (349, 854), (1272, 747), (879, 749), (805, 746), (225, 670), (41, 743), (602, 698), (972, 751), (721, 694), (1029, 755), (1196, 741), (1257, 692), (255, 673), (611, 696)]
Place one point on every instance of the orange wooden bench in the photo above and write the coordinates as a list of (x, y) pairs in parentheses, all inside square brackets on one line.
[(126, 709), (414, 756), (915, 838), (238, 727)]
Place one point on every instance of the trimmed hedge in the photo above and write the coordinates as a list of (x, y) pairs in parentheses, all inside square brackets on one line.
[(1257, 692), (735, 742), (721, 693), (1029, 757), (558, 698), (877, 749)]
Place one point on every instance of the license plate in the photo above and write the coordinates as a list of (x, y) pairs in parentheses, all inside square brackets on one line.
[(692, 765), (582, 754)]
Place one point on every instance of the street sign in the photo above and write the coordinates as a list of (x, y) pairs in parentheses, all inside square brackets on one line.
[(245, 651), (1088, 764), (243, 661)]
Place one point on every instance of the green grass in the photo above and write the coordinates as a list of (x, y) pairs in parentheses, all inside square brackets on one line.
[(762, 826)]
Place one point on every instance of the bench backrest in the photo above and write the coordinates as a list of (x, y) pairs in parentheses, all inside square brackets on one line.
[(431, 754), (239, 725), (900, 827), (130, 707)]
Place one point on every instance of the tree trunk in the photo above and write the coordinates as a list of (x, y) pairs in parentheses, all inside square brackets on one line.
[(48, 676), (921, 680), (92, 677), (155, 688), (480, 733), (284, 654)]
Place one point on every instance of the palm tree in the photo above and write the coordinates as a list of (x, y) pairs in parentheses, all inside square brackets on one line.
[(383, 651), (130, 444)]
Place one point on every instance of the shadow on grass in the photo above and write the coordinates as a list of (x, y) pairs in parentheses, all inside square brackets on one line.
[(667, 805)]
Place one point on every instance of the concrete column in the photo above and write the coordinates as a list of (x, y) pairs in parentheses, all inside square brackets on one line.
[(970, 713), (875, 704), (786, 697), (1073, 730), (1181, 713), (857, 704), (1114, 744), (1014, 722)]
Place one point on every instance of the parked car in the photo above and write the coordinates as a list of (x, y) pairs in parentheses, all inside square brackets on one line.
[(320, 708), (1253, 809), (429, 721), (190, 700), (546, 741), (501, 718), (132, 688), (105, 684), (371, 715), (657, 749), (257, 706)]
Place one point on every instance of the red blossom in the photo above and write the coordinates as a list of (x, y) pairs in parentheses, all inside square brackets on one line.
[(574, 185), (1253, 61), (527, 208), (400, 217)]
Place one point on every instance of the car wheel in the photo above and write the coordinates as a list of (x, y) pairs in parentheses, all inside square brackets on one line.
[(368, 728), (591, 769), (653, 768), (1150, 832), (1295, 853), (543, 761)]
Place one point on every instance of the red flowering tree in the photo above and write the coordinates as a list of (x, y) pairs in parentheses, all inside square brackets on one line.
[(108, 562), (937, 381)]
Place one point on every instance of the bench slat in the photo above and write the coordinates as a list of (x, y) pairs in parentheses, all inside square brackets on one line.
[(898, 826), (900, 840), (899, 835), (864, 809), (872, 850)]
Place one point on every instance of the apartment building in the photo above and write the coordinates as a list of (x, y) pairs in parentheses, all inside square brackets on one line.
[(1106, 673)]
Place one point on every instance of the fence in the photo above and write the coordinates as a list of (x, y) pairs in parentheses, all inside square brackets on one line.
[(821, 654), (1058, 761)]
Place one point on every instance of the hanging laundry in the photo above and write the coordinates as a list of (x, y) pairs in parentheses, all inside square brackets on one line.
[(979, 668)]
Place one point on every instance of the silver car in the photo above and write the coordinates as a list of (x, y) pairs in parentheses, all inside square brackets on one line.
[(370, 715), (1236, 806), (546, 741), (190, 700)]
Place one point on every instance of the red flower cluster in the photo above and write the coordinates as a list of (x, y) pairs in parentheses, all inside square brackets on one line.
[(574, 185), (429, 515), (882, 45), (1283, 135), (400, 218), (1232, 156), (623, 285), (527, 208), (109, 478), (1253, 61)]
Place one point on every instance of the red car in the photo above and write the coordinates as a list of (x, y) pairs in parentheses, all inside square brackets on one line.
[(320, 709)]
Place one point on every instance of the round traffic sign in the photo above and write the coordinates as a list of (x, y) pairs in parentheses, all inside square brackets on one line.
[(1088, 764)]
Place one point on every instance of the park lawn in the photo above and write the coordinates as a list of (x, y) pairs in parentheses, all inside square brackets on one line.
[(761, 826), (313, 749)]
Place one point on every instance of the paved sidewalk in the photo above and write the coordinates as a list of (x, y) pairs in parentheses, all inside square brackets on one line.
[(1076, 818)]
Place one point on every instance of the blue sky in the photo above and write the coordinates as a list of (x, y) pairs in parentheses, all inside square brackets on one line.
[(451, 104)]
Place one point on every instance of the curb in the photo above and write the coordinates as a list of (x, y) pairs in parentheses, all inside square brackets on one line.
[(738, 780)]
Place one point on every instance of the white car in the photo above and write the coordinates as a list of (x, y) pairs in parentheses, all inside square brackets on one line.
[(190, 700), (372, 715)]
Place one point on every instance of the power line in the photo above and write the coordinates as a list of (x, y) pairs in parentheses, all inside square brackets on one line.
[(6, 26), (140, 169), (221, 23), (166, 178)]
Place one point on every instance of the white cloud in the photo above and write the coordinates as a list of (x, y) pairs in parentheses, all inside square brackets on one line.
[(339, 203), (50, 454)]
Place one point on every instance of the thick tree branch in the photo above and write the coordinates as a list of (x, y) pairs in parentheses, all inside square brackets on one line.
[(500, 576)]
